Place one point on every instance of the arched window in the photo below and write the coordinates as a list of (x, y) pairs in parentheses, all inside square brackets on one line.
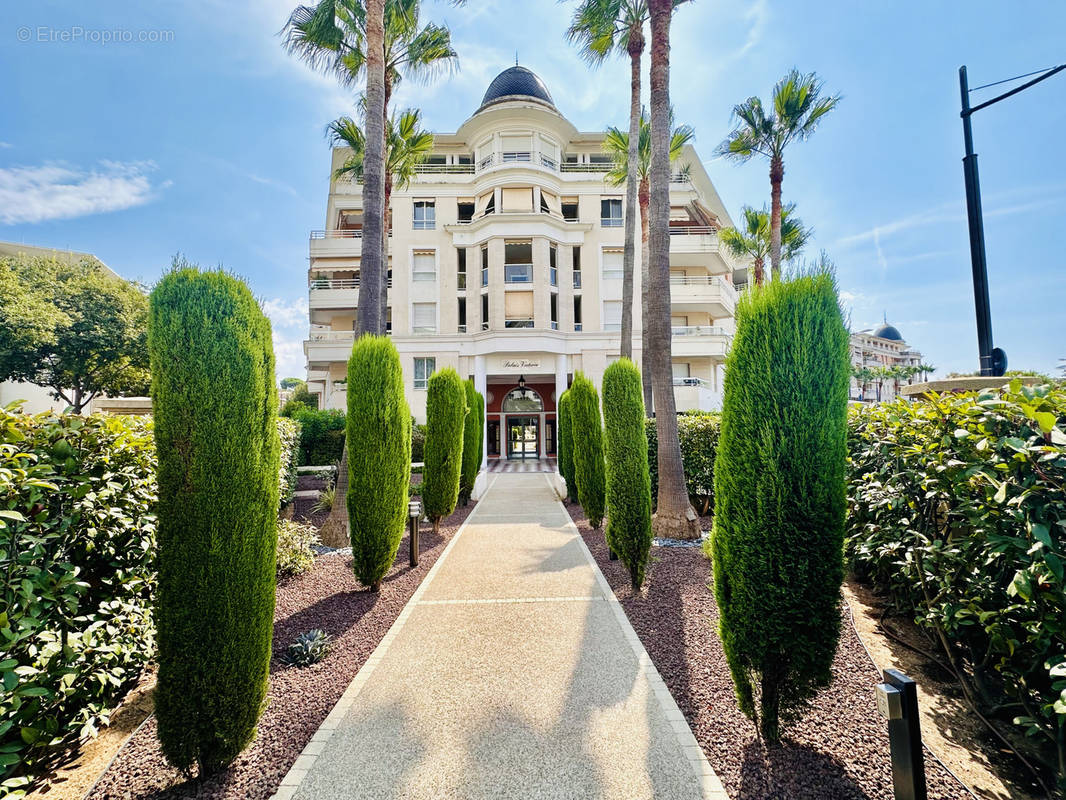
[(521, 400)]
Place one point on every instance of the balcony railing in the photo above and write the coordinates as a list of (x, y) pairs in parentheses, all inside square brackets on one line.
[(332, 336), (571, 167), (337, 234), (692, 230), (336, 283), (698, 330), (518, 323), (699, 280), (692, 382), (444, 169)]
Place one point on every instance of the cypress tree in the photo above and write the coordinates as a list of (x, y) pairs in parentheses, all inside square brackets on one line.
[(780, 496), (628, 481), (566, 445), (473, 433), (445, 412), (586, 434), (215, 406), (379, 457)]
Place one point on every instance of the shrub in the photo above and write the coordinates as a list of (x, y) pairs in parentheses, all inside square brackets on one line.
[(445, 412), (326, 497), (379, 457), (77, 545), (321, 436), (289, 433), (586, 436), (628, 485), (296, 541), (418, 443), (473, 436), (217, 446), (566, 445), (698, 435), (957, 512), (309, 648), (779, 495)]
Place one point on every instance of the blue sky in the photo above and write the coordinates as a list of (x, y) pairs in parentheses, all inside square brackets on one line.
[(199, 135)]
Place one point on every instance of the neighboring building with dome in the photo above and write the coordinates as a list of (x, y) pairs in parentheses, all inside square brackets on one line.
[(876, 348), (505, 256)]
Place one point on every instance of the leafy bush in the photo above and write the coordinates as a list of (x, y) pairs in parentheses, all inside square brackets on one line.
[(77, 535), (628, 485), (779, 495), (218, 451), (566, 445), (698, 435), (445, 413), (379, 457), (321, 436), (473, 440), (309, 648), (586, 435), (418, 443), (326, 497), (296, 543), (958, 511), (289, 433)]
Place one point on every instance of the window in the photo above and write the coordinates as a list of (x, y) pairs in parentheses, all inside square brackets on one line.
[(516, 147), (466, 211), (555, 311), (460, 268), (464, 159), (612, 315), (425, 215), (612, 264), (517, 273), (553, 264), (424, 266), (517, 200), (423, 318), (577, 267), (577, 313), (523, 400), (681, 370), (518, 310), (490, 206), (518, 262), (611, 212), (569, 209), (484, 312), (462, 314), (436, 160), (484, 265), (424, 367)]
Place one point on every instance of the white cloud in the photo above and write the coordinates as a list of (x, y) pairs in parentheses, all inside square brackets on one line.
[(6, 145), (288, 320), (289, 358), (55, 191), (286, 313)]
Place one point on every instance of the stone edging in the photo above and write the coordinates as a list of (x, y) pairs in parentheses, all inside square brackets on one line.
[(712, 786)]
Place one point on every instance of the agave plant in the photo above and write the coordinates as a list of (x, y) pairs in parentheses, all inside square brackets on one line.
[(308, 648)]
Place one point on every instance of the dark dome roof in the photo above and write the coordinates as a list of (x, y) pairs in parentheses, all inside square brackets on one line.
[(887, 331), (516, 81)]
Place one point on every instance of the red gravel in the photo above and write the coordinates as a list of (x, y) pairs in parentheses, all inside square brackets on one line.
[(838, 751), (327, 597)]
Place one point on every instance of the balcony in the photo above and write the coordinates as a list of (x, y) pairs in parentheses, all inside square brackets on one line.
[(336, 243), (334, 292), (326, 345), (696, 394), (700, 340), (703, 293), (698, 246)]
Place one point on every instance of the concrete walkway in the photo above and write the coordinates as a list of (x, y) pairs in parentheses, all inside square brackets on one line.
[(511, 673)]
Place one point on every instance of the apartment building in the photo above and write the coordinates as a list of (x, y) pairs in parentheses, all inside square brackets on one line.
[(505, 257), (876, 349)]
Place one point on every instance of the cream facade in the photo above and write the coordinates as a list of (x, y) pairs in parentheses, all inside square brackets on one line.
[(881, 347), (505, 257)]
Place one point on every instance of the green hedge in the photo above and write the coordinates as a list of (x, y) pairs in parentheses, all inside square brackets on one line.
[(418, 443), (217, 444), (473, 440), (628, 485), (698, 434), (445, 413), (289, 434), (379, 457), (586, 434), (958, 511), (780, 496), (566, 445), (321, 436), (77, 546)]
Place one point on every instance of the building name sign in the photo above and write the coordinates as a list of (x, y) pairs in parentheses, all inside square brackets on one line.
[(520, 363)]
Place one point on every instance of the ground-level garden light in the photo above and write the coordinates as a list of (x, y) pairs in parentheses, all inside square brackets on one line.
[(414, 511), (897, 700)]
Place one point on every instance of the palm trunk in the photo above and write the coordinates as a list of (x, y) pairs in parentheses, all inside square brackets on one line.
[(636, 47), (645, 344), (371, 262), (674, 516), (387, 209), (757, 267), (777, 174)]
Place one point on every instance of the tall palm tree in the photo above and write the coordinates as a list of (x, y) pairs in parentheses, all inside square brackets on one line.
[(674, 515), (798, 107), (384, 39), (617, 144), (406, 146), (753, 239)]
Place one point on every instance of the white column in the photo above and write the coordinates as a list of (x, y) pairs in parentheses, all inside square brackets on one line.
[(560, 381), (480, 383)]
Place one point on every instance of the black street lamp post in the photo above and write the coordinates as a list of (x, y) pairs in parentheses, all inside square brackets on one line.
[(993, 359)]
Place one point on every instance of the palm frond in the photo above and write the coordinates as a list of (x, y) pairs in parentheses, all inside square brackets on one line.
[(430, 53)]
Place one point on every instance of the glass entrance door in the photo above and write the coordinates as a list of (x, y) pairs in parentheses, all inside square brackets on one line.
[(523, 437)]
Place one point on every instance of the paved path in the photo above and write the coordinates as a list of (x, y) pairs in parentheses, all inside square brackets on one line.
[(511, 673)]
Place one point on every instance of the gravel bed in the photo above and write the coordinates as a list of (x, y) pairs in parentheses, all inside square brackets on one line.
[(837, 751), (327, 597)]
